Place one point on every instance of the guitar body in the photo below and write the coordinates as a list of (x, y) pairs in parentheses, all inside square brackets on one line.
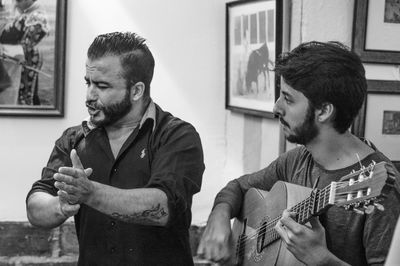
[(259, 207)]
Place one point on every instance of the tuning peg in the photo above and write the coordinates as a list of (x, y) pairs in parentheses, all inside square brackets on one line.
[(369, 209), (379, 206), (358, 211)]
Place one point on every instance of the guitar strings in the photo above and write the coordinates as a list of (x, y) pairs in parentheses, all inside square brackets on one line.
[(268, 230), (271, 234)]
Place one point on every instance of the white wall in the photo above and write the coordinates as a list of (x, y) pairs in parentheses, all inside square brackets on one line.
[(187, 38)]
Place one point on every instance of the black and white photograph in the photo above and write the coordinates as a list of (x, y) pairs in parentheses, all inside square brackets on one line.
[(199, 132), (32, 57), (253, 42)]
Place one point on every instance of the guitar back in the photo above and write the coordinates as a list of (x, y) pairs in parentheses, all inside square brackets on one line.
[(260, 207)]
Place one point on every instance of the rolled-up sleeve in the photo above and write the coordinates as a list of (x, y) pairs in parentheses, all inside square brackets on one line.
[(177, 168), (58, 157)]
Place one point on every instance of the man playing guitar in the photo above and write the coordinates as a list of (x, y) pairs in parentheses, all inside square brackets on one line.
[(323, 88)]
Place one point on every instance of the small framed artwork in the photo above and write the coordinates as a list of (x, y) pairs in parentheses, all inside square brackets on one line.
[(376, 31), (32, 57), (253, 41), (379, 119)]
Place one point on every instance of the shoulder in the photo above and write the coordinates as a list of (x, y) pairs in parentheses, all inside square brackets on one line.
[(299, 153), (167, 124), (71, 136)]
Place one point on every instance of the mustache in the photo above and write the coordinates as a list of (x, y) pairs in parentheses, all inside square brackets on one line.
[(283, 122), (93, 105)]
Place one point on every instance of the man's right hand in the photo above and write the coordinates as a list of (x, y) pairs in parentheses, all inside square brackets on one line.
[(67, 209), (215, 244)]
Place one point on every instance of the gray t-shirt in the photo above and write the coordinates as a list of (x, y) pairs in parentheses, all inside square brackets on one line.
[(358, 239)]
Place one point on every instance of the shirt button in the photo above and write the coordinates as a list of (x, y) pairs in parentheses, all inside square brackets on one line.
[(112, 223), (130, 250), (115, 170), (112, 250)]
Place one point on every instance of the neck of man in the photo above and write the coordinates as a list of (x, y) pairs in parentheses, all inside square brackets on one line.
[(335, 151), (126, 124)]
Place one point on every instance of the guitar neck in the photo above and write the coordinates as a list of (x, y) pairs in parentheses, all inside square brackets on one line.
[(318, 202)]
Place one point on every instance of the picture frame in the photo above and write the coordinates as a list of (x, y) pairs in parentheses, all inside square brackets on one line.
[(253, 41), (375, 31), (44, 94), (381, 124)]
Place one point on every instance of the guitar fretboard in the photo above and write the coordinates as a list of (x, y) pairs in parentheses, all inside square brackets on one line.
[(317, 202)]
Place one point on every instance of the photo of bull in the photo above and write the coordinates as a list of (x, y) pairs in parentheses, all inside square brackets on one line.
[(256, 65)]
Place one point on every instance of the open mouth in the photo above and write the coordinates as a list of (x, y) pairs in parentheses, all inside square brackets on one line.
[(92, 109), (283, 123)]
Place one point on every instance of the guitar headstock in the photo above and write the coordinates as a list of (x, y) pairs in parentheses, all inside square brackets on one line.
[(361, 190)]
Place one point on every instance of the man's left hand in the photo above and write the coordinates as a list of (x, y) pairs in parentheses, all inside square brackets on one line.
[(307, 243), (74, 181)]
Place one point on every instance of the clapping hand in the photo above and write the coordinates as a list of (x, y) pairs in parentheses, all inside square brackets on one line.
[(74, 185)]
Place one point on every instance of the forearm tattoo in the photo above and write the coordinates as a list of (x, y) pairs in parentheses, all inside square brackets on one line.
[(151, 216)]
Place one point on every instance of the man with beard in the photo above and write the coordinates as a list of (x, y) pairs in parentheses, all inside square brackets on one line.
[(323, 88), (128, 173)]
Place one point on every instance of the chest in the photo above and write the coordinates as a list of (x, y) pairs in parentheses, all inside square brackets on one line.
[(123, 163)]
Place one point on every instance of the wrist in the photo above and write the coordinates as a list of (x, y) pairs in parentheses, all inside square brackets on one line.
[(221, 211), (91, 198), (328, 259)]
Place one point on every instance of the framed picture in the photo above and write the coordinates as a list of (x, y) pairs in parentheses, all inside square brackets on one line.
[(376, 31), (32, 45), (253, 40), (379, 118)]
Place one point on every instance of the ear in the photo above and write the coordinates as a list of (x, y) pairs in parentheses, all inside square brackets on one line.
[(325, 113), (137, 90)]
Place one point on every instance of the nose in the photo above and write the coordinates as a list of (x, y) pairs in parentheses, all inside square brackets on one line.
[(278, 110), (91, 92)]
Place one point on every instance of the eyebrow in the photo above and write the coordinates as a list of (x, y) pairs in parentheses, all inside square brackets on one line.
[(95, 82)]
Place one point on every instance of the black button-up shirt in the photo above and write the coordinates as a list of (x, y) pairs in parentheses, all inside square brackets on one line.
[(163, 152)]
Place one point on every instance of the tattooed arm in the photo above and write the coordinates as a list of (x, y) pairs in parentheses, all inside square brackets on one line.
[(147, 206)]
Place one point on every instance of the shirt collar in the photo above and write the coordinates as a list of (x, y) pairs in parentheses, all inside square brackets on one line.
[(150, 113)]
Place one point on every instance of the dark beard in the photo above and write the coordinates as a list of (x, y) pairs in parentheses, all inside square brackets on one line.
[(113, 112), (307, 131)]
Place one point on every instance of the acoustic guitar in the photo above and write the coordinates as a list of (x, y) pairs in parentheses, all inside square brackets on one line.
[(257, 242)]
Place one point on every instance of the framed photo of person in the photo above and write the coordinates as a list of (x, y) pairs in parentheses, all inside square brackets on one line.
[(376, 31), (253, 41), (32, 57)]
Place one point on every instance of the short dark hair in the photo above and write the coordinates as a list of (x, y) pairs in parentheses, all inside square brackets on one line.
[(136, 58), (326, 72)]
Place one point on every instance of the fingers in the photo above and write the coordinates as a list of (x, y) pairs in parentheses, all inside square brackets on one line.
[(287, 226), (88, 171), (65, 178), (288, 222), (66, 198), (70, 189), (67, 209), (76, 162), (214, 250), (316, 224), (75, 172), (281, 230)]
